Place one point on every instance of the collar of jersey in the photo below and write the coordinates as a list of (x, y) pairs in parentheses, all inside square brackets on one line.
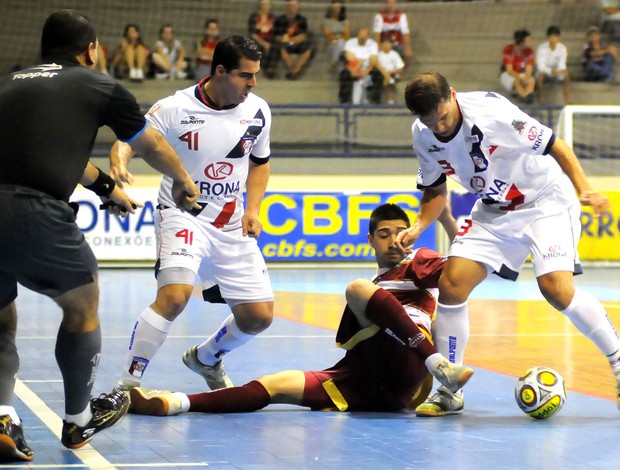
[(202, 96)]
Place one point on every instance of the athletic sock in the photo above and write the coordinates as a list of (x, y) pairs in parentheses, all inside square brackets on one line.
[(149, 333), (77, 355), (9, 410), (384, 310), (590, 317), (452, 331), (226, 338), (249, 397), (9, 365)]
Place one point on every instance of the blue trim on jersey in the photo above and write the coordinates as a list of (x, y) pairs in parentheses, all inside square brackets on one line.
[(138, 134), (258, 161), (441, 180), (549, 145)]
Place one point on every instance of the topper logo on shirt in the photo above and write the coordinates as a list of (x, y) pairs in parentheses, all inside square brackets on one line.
[(434, 149), (218, 170)]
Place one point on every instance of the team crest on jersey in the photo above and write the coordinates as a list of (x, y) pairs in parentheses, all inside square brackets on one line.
[(247, 143), (518, 126)]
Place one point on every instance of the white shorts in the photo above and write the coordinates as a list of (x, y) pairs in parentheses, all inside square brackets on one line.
[(223, 259), (504, 240), (508, 80)]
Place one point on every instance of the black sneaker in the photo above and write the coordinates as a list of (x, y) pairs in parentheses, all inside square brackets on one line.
[(107, 410), (12, 442)]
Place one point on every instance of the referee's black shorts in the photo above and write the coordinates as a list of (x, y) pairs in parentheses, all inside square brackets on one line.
[(41, 247)]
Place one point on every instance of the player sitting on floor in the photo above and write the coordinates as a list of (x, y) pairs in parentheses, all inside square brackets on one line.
[(384, 330)]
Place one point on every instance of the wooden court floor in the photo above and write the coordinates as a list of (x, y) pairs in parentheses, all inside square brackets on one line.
[(512, 329)]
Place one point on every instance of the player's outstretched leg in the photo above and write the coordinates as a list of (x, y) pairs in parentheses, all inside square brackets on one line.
[(146, 401), (107, 410)]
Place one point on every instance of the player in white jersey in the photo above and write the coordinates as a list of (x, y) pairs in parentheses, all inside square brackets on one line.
[(526, 178), (221, 132)]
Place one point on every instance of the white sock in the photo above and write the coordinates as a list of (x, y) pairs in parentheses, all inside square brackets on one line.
[(149, 333), (184, 401), (452, 331), (431, 361), (227, 337), (590, 317), (81, 419), (9, 410)]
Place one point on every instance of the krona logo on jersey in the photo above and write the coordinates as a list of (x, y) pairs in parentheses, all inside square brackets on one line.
[(218, 171)]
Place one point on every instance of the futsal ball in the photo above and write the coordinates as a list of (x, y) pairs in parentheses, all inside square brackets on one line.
[(540, 392)]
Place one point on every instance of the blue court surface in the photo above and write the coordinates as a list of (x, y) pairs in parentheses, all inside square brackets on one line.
[(492, 433)]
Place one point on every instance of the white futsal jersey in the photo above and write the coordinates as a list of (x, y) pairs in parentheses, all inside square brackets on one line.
[(215, 146), (499, 153)]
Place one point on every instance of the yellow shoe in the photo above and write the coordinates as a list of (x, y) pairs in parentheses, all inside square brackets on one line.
[(442, 403)]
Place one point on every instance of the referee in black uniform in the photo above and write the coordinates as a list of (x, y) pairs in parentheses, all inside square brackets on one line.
[(49, 120)]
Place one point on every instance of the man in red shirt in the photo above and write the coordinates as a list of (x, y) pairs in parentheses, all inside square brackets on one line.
[(518, 67)]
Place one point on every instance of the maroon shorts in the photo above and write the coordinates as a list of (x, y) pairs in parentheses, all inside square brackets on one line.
[(378, 374)]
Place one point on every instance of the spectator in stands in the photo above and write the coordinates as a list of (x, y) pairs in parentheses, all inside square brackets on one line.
[(205, 47), (551, 64), (261, 26), (293, 37), (517, 75), (336, 31), (598, 59), (131, 57), (392, 23), (391, 65), (169, 55), (610, 18), (360, 54)]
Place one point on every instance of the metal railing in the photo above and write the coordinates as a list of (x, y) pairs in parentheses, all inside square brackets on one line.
[(342, 130)]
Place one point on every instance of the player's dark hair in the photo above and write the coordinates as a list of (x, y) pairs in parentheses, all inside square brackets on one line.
[(66, 34), (386, 212), (425, 91), (521, 35), (167, 25), (553, 31), (229, 51)]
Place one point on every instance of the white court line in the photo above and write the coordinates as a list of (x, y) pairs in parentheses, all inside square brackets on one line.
[(90, 457)]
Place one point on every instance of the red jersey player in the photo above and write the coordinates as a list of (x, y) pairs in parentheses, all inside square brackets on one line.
[(386, 321)]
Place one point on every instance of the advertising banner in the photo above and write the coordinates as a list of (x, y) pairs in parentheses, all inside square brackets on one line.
[(297, 226)]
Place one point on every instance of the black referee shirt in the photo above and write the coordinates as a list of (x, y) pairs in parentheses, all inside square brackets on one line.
[(49, 117)]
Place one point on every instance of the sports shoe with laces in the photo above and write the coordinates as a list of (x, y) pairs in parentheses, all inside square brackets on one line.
[(107, 410), (147, 401), (452, 376), (12, 442), (215, 375), (443, 402)]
